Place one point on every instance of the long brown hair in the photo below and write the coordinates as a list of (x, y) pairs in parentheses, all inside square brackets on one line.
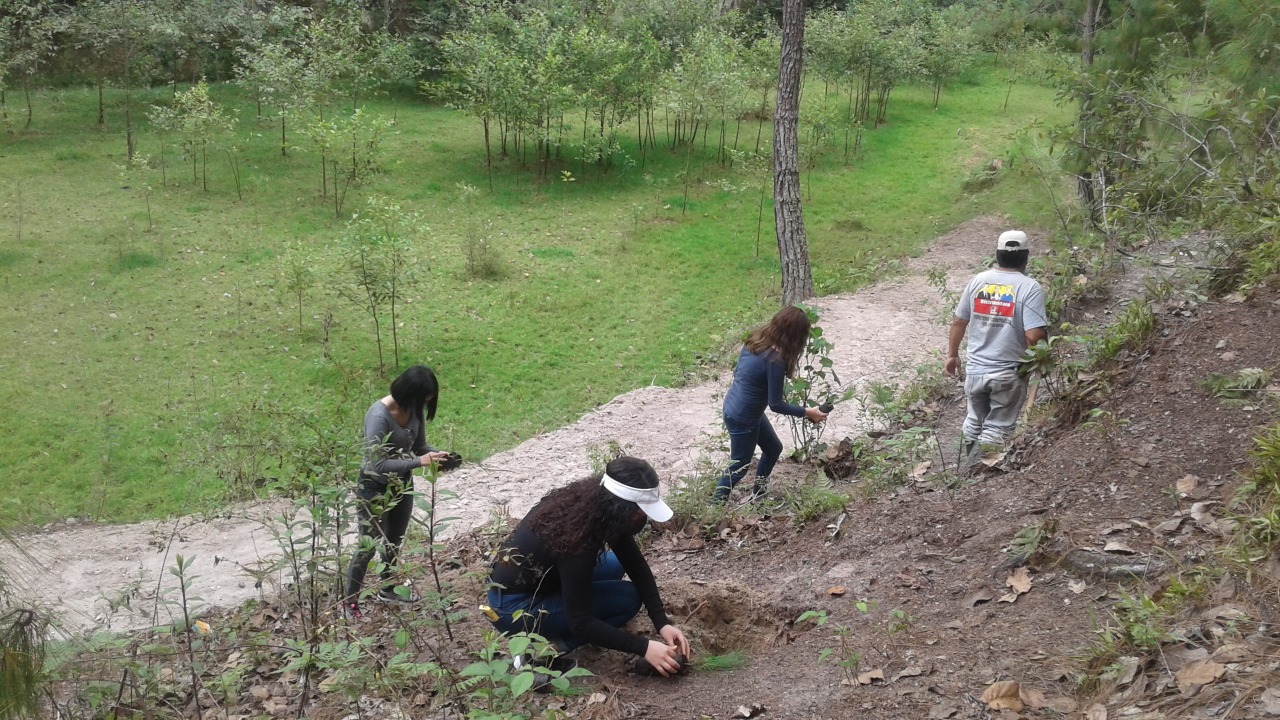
[(786, 334)]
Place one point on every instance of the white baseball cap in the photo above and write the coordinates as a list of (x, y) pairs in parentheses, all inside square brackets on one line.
[(1013, 240)]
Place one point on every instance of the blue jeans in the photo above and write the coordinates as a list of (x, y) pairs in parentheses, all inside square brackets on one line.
[(613, 600), (743, 439)]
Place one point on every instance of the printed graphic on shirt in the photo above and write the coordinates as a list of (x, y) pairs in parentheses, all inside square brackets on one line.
[(995, 301)]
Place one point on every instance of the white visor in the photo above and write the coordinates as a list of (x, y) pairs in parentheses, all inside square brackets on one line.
[(649, 499)]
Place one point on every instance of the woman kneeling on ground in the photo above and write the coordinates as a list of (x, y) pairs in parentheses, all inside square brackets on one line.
[(555, 568), (395, 446)]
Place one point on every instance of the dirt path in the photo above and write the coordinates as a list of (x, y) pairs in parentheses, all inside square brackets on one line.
[(87, 571)]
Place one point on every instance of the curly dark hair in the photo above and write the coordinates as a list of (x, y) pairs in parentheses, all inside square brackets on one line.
[(580, 516), (787, 334)]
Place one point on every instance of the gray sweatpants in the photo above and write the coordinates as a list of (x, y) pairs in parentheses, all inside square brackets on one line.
[(995, 401)]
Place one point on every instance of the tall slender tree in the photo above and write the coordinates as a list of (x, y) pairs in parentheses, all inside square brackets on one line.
[(793, 246)]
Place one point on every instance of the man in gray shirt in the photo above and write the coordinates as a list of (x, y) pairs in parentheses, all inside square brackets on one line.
[(1003, 311)]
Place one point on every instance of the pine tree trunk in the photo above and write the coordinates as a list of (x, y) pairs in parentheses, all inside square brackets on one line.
[(1084, 182), (793, 246)]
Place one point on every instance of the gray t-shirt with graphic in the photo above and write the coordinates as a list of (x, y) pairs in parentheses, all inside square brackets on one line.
[(1000, 306)]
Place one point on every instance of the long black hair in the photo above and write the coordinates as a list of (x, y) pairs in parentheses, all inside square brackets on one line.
[(579, 517), (416, 390)]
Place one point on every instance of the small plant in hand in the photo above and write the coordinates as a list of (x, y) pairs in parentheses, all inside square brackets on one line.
[(816, 384)]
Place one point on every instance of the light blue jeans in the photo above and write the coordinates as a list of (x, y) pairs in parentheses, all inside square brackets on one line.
[(995, 402)]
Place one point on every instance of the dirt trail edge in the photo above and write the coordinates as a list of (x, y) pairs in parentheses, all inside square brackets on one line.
[(86, 571)]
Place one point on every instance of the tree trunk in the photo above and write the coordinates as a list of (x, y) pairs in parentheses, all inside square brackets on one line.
[(793, 246), (1084, 180), (26, 91)]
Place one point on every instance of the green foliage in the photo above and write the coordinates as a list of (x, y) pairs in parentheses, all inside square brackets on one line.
[(1258, 522), (1241, 385), (1030, 540), (199, 121), (220, 268), (483, 259), (843, 654), (1131, 331), (690, 499), (380, 265), (815, 383), (814, 498), (601, 455), (22, 650), (727, 662), (495, 687)]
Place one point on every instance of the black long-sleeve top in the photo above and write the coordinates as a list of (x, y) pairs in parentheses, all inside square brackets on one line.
[(524, 564)]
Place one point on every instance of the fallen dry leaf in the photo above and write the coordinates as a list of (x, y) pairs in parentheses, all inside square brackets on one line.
[(1119, 548), (1019, 581), (1270, 702), (911, 671), (954, 625), (942, 711), (1076, 586), (1061, 704), (919, 470), (1031, 697), (1198, 674), (978, 597), (1096, 711), (1177, 657), (1128, 669), (1008, 598), (1003, 695), (1231, 653), (1187, 483), (837, 590), (1118, 527), (597, 698), (1169, 526), (867, 677), (993, 458)]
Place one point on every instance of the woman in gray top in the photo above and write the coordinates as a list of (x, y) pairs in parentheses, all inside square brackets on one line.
[(395, 445)]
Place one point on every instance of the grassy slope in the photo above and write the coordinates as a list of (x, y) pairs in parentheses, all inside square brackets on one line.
[(128, 352)]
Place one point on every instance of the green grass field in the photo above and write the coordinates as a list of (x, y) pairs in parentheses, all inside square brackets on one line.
[(130, 356)]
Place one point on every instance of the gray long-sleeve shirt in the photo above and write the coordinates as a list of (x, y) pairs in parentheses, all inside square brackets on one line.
[(390, 449)]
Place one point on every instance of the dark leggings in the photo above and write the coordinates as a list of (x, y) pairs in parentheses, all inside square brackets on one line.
[(384, 516)]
